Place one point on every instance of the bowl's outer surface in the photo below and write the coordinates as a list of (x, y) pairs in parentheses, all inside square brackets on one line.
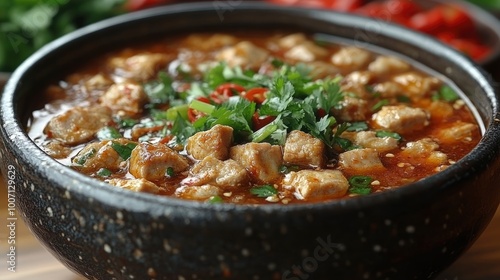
[(103, 232)]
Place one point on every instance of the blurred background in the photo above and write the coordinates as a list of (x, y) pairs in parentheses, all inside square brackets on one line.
[(27, 25)]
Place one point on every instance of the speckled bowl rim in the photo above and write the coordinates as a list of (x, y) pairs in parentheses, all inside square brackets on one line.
[(29, 154)]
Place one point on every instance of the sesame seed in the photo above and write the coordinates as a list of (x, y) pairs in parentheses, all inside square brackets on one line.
[(401, 164), (389, 155), (375, 183)]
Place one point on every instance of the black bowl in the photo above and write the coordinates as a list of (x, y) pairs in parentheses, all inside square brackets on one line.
[(103, 232)]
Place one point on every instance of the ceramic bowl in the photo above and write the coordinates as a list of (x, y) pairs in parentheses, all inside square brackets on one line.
[(103, 232)]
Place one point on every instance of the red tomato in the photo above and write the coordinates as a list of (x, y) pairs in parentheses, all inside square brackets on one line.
[(457, 19), (430, 22), (224, 91), (193, 114), (472, 49), (256, 95), (343, 5), (402, 8), (305, 3), (259, 122), (134, 5)]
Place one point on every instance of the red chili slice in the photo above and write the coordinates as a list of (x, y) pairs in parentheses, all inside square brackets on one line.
[(193, 114), (256, 95), (222, 93), (259, 122)]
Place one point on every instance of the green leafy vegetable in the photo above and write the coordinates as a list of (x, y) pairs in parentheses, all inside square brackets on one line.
[(357, 126), (108, 133), (380, 104), (127, 123), (182, 129), (383, 134), (161, 90), (123, 151), (215, 199), (86, 156), (264, 191), (446, 93), (103, 172), (170, 172), (360, 185)]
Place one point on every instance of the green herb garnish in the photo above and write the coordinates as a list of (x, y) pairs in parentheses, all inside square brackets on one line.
[(86, 156), (170, 172), (124, 151), (360, 185), (380, 104), (446, 93), (264, 191), (357, 126), (103, 172), (215, 199), (108, 133), (383, 134)]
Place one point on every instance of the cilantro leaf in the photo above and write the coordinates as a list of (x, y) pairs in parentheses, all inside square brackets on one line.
[(108, 133), (124, 151), (264, 191), (161, 90)]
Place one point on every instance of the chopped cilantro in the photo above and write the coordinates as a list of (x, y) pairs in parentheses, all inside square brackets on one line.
[(380, 104), (357, 126), (403, 99), (182, 129), (123, 151), (108, 133), (170, 172), (103, 172), (383, 134), (445, 93), (86, 156), (284, 169), (161, 90), (264, 191), (127, 123), (215, 199), (360, 185)]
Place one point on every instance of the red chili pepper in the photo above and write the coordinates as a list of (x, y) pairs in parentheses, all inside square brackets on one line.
[(430, 22), (134, 5), (474, 50), (343, 5), (457, 19), (222, 93), (259, 122), (193, 114), (256, 95)]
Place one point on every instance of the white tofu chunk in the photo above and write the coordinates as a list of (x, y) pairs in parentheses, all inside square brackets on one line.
[(351, 57), (262, 160), (152, 161), (140, 67), (361, 160), (457, 133), (212, 42), (424, 151), (388, 64), (303, 149), (401, 119), (306, 52), (317, 184), (244, 54), (369, 139), (227, 174), (416, 85), (214, 142), (352, 109), (97, 155), (292, 40), (136, 185), (125, 99), (78, 125), (202, 192)]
